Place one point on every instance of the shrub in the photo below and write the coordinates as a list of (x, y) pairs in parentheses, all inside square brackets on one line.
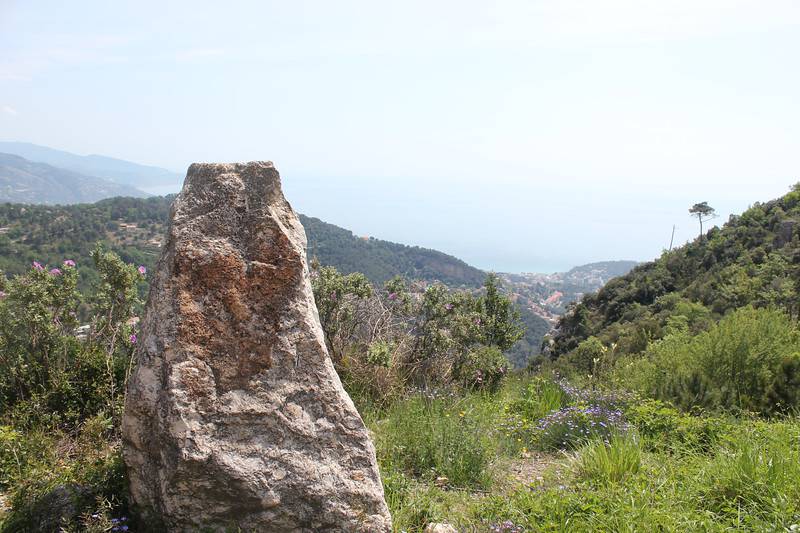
[(749, 361), (586, 356), (663, 427), (379, 353), (483, 368)]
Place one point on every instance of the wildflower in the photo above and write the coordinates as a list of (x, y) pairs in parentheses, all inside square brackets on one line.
[(448, 306), (142, 270), (69, 263), (55, 271), (393, 296), (477, 321), (133, 338), (37, 265), (2, 294)]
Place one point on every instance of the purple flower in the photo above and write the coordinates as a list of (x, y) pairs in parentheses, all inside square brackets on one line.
[(37, 265), (69, 263), (393, 296), (142, 270), (477, 321), (2, 294), (55, 271), (448, 306), (133, 338)]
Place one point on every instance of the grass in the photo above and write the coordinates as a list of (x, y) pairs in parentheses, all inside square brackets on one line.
[(462, 458), (611, 461), (671, 471)]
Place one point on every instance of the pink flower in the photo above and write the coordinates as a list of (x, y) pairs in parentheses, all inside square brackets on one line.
[(142, 270), (2, 294), (37, 265), (448, 306), (477, 321), (393, 296), (55, 271), (69, 263), (133, 338)]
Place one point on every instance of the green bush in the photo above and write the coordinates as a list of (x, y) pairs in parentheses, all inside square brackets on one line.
[(379, 353), (483, 368), (663, 427), (749, 361)]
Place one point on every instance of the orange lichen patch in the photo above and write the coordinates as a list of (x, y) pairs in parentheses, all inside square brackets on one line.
[(192, 324), (229, 306)]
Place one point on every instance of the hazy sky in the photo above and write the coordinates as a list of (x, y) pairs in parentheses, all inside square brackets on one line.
[(519, 136)]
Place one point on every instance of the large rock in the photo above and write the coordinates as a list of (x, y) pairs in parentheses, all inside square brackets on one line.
[(235, 417)]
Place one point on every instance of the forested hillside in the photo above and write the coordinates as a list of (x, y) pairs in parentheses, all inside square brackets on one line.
[(381, 260), (134, 227)]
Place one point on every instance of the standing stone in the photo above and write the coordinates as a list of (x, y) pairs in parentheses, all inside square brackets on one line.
[(235, 417)]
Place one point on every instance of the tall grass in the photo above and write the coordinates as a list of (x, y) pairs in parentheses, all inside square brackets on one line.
[(610, 461), (436, 438), (540, 397)]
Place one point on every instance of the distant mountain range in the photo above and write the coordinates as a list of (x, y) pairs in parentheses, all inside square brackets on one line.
[(119, 171), (26, 181)]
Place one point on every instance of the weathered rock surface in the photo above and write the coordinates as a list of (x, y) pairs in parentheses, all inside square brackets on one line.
[(235, 417)]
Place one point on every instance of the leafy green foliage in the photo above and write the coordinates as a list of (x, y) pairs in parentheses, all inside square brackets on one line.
[(337, 296), (482, 368), (748, 261), (382, 260), (749, 361), (664, 428), (501, 328), (61, 393)]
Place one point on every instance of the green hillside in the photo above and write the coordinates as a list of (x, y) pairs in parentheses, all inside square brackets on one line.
[(752, 259), (133, 228), (381, 260), (711, 325)]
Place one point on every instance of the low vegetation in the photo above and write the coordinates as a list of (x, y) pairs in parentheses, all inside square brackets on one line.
[(662, 407)]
